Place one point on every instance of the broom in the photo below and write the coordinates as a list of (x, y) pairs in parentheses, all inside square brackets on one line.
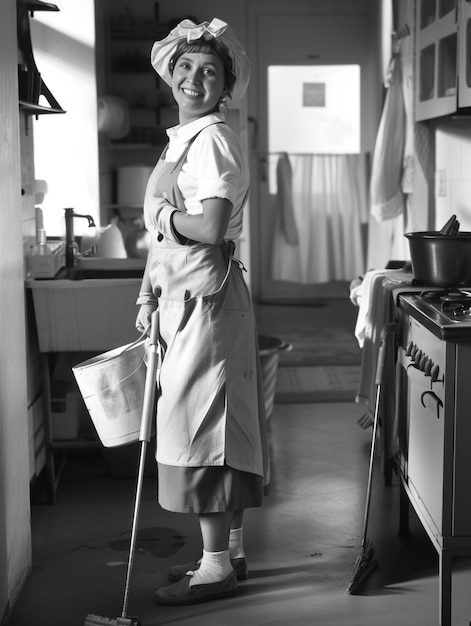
[(366, 561), (144, 437)]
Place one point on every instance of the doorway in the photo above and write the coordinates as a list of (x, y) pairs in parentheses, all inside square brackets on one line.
[(305, 36)]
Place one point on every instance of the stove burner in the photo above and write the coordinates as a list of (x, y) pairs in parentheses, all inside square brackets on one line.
[(456, 296), (459, 311), (446, 295), (432, 295), (453, 304)]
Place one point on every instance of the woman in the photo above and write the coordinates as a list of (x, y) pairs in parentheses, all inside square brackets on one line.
[(211, 440)]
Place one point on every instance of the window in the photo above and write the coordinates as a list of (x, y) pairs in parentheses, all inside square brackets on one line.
[(314, 109)]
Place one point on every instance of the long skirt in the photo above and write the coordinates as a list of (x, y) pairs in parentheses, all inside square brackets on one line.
[(213, 489)]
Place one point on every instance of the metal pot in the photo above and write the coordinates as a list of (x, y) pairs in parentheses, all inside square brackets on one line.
[(440, 260)]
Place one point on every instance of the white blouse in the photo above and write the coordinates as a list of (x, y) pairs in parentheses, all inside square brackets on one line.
[(214, 167)]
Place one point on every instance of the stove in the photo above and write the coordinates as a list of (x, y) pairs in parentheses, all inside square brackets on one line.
[(445, 312), (433, 399)]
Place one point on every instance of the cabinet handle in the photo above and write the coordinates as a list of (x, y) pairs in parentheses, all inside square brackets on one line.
[(430, 400)]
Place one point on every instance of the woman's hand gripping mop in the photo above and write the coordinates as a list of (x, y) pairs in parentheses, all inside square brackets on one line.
[(153, 353)]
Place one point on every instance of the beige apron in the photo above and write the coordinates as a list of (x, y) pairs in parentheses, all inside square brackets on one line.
[(210, 410)]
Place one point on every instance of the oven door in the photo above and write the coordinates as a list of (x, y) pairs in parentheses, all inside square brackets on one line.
[(421, 436)]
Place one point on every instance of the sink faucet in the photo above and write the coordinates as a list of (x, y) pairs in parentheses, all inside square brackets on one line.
[(70, 244)]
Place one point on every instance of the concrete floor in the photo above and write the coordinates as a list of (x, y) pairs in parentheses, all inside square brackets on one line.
[(301, 545)]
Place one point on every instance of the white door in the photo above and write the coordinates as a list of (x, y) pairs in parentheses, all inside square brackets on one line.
[(283, 39)]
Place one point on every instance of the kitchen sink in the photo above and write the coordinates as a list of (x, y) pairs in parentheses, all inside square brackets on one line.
[(95, 268), (89, 307), (81, 273)]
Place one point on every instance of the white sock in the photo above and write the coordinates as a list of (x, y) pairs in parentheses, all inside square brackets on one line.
[(236, 548), (214, 567)]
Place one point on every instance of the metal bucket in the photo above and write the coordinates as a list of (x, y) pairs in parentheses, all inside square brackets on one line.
[(269, 351)]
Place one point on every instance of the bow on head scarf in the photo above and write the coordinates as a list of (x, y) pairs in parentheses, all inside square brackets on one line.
[(162, 51), (209, 31)]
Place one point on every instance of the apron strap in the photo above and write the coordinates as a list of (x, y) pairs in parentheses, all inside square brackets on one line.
[(228, 249)]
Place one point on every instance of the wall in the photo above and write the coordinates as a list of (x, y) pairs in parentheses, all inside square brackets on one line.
[(452, 173), (15, 544), (66, 146)]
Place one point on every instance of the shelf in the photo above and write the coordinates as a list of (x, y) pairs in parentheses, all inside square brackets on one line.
[(122, 145), (126, 27), (122, 206), (37, 109)]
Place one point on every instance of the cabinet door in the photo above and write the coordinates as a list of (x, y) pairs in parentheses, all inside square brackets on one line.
[(464, 54), (436, 58)]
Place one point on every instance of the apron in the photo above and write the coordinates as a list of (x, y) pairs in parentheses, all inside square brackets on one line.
[(210, 410)]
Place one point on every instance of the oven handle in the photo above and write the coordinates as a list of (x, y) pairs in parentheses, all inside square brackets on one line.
[(430, 400)]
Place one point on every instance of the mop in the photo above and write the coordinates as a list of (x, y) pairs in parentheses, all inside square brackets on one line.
[(144, 437), (366, 561)]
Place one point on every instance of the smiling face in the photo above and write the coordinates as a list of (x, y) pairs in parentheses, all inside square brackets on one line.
[(197, 84)]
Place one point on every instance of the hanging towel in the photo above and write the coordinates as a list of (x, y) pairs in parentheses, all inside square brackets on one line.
[(387, 197), (284, 179)]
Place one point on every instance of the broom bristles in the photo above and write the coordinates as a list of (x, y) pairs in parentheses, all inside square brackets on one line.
[(98, 620), (364, 565)]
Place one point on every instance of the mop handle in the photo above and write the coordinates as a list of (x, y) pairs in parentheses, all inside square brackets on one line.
[(150, 383), (144, 437), (387, 331)]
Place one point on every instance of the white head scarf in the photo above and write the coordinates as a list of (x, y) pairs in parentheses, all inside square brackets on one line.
[(162, 51)]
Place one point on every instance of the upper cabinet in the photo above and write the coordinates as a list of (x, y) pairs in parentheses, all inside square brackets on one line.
[(442, 57), (436, 58), (464, 54)]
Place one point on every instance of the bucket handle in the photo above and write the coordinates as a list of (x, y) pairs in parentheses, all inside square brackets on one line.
[(129, 346), (284, 346)]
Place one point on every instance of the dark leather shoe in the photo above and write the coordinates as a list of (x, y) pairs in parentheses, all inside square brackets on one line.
[(181, 593), (177, 572)]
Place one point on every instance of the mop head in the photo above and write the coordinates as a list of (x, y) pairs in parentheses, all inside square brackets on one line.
[(98, 620)]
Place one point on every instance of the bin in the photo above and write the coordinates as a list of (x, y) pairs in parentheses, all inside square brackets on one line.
[(269, 351)]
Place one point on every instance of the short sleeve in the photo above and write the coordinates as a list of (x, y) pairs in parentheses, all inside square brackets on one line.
[(215, 160)]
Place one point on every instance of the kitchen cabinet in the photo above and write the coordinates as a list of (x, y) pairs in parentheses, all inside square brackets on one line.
[(77, 319), (464, 54), (436, 58), (443, 36)]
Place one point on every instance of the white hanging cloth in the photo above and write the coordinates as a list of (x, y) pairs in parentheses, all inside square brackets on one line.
[(329, 204), (387, 196)]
